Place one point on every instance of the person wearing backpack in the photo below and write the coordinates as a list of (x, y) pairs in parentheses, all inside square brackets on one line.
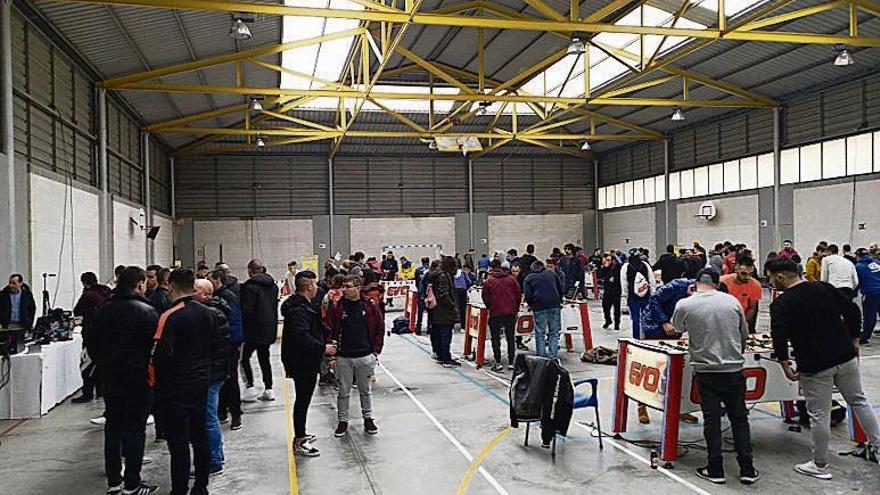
[(443, 306), (637, 284)]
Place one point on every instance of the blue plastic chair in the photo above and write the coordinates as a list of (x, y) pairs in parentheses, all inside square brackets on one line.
[(592, 400)]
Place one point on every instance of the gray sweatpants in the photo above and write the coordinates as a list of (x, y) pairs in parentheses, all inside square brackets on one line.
[(817, 388), (359, 371)]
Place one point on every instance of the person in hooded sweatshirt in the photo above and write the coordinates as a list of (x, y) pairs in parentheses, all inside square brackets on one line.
[(230, 394), (93, 296), (259, 316), (502, 295)]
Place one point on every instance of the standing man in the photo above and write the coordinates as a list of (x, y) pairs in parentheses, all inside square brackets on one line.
[(93, 296), (421, 271), (220, 353), (160, 297), (839, 272), (302, 349), (572, 269), (813, 269), (868, 271), (502, 295), (180, 371), (525, 263), (17, 307), (788, 250), (544, 292), (152, 281), (122, 334), (259, 316), (230, 395), (390, 268), (717, 331), (357, 327), (822, 326), (637, 284), (202, 271), (288, 287), (848, 254), (743, 286), (609, 276), (671, 266)]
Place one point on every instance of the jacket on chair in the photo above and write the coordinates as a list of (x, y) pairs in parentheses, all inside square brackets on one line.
[(541, 390)]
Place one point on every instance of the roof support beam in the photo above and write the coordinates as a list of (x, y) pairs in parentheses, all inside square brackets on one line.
[(546, 10)]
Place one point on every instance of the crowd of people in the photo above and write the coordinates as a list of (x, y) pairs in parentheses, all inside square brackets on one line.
[(165, 346)]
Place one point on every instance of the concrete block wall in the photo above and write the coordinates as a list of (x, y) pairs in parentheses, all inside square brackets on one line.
[(370, 234), (163, 245), (274, 242), (629, 228), (544, 231), (737, 221), (129, 241), (64, 243), (833, 213)]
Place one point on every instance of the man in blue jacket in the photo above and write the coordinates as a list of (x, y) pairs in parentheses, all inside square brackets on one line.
[(572, 268), (543, 291), (657, 315), (868, 270), (230, 394)]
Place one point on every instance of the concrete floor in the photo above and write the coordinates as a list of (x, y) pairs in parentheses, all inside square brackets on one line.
[(430, 431)]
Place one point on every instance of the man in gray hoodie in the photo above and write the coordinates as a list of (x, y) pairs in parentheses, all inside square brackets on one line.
[(717, 330)]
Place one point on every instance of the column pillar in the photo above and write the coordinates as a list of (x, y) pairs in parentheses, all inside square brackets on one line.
[(332, 207), (777, 161), (148, 196), (105, 204)]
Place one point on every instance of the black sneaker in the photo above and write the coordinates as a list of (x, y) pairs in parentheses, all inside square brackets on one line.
[(143, 489), (703, 472), (749, 478), (341, 429), (235, 424), (451, 363), (370, 426), (498, 368), (224, 418), (305, 449), (606, 325), (82, 399)]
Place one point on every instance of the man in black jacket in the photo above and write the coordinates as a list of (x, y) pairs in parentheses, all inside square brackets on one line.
[(181, 373), (259, 315), (220, 354), (571, 266), (671, 266), (160, 297), (93, 296), (122, 331), (525, 263), (302, 349), (17, 306)]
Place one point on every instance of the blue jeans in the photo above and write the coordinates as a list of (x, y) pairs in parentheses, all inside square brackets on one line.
[(547, 327), (212, 422), (870, 305), (443, 336), (636, 305)]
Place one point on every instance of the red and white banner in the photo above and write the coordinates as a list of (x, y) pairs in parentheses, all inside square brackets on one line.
[(396, 291), (645, 376)]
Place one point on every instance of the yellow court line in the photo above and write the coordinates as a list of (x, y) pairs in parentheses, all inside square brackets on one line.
[(291, 459), (475, 464)]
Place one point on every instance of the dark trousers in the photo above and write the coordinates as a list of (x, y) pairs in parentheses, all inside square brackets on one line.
[(126, 411), (443, 336), (184, 423), (92, 386), (610, 301), (262, 357), (304, 387), (870, 305), (461, 294), (508, 323), (421, 305), (230, 395), (730, 389)]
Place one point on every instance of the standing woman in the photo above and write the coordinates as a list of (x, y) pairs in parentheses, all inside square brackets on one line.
[(609, 274), (445, 313), (462, 283)]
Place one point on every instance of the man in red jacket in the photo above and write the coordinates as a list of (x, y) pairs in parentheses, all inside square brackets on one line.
[(358, 329), (502, 295)]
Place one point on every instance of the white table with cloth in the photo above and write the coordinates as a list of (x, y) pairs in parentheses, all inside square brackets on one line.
[(41, 378)]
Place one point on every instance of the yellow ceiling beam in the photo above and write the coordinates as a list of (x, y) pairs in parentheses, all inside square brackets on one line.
[(637, 87), (559, 149), (399, 116), (296, 73), (546, 10), (428, 19), (790, 16), (490, 148), (240, 107), (295, 120), (869, 7), (433, 69), (373, 5), (259, 51)]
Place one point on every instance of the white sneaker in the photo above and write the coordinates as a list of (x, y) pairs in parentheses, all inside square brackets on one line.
[(268, 395), (250, 395), (99, 421), (150, 419), (810, 468)]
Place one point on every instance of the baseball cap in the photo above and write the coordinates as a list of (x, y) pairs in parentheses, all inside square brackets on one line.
[(708, 276), (862, 252)]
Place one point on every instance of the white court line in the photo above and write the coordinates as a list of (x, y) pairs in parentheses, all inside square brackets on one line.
[(449, 436), (615, 444)]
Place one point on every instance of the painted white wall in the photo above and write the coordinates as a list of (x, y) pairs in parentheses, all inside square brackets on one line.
[(626, 229), (274, 242), (369, 235), (544, 231), (129, 241), (832, 213), (737, 220), (163, 245), (63, 240)]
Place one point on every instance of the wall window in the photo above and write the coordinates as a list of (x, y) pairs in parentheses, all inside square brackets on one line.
[(639, 192), (834, 158), (618, 195), (765, 170), (649, 190), (858, 154), (687, 184), (701, 181), (811, 162), (748, 173), (660, 188), (877, 151), (789, 166), (731, 176), (716, 178), (627, 193), (601, 199)]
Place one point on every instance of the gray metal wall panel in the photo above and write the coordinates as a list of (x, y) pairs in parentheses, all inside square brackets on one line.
[(872, 100), (760, 131), (802, 120), (682, 144), (842, 109), (733, 134), (706, 144)]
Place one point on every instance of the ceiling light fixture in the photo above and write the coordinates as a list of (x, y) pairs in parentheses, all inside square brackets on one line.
[(844, 57), (484, 106), (432, 145), (257, 104), (239, 29), (576, 47), (586, 146), (259, 142), (678, 115)]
